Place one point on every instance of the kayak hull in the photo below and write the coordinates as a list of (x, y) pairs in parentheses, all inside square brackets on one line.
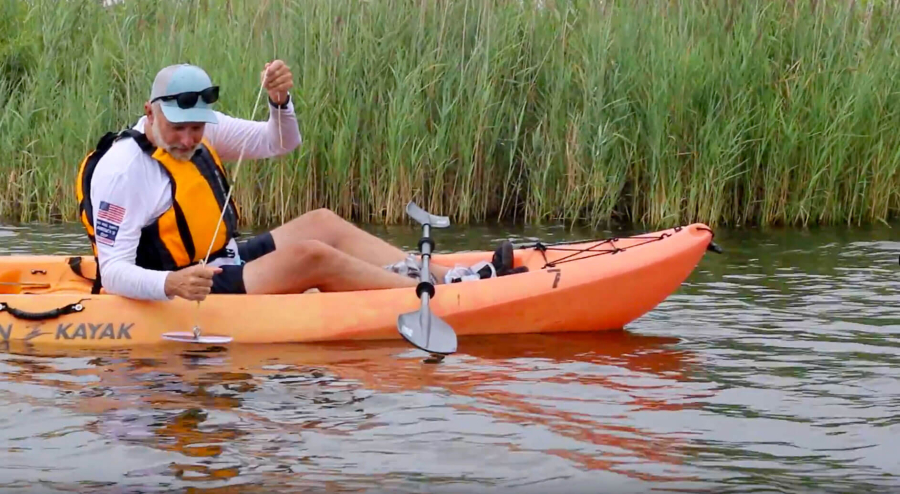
[(590, 286)]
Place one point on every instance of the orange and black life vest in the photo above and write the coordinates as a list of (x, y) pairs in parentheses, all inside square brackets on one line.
[(182, 235)]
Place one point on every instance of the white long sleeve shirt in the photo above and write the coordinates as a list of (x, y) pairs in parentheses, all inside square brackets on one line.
[(129, 191)]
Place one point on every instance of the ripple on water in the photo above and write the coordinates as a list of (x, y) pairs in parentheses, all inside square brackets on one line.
[(776, 366)]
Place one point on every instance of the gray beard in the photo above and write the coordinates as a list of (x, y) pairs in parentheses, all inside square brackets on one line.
[(179, 155)]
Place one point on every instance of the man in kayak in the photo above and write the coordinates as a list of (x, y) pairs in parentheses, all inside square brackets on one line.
[(150, 198)]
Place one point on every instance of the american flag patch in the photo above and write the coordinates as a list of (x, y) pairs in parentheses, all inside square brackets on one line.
[(111, 212)]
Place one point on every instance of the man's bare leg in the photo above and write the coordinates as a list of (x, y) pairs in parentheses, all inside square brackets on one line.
[(301, 265), (329, 228)]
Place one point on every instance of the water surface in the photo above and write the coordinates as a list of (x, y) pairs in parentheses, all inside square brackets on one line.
[(775, 368)]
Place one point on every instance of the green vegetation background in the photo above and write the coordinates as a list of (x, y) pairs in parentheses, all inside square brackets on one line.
[(651, 112)]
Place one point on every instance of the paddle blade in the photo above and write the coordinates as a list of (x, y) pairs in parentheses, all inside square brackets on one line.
[(424, 217), (427, 332)]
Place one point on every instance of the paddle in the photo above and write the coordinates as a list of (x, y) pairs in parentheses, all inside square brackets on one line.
[(421, 328)]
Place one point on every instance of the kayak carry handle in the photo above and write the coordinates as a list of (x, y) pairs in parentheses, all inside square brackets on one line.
[(712, 247), (39, 316)]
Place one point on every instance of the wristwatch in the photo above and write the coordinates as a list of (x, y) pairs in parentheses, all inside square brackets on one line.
[(283, 105)]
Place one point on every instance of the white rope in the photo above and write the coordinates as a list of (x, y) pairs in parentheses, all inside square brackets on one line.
[(234, 179), (196, 329)]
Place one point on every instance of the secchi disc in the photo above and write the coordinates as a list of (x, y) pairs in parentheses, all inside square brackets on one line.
[(188, 337)]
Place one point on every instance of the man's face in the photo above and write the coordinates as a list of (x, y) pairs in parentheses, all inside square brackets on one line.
[(181, 140)]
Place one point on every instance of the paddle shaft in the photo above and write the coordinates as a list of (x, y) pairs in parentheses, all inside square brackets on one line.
[(425, 281)]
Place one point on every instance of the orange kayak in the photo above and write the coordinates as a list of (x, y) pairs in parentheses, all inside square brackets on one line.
[(586, 286)]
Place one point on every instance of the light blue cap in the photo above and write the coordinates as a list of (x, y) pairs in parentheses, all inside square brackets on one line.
[(183, 78)]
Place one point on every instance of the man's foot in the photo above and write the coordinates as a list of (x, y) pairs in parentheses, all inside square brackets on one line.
[(501, 265), (503, 258)]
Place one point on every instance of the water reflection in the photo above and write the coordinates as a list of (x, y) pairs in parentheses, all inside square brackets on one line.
[(773, 368), (373, 407)]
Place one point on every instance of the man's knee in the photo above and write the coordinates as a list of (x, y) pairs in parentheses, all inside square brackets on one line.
[(318, 223), (309, 253), (321, 224), (322, 216)]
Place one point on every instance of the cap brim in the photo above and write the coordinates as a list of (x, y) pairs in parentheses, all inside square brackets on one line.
[(175, 114)]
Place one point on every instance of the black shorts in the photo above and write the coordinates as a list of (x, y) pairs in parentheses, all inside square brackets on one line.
[(231, 279)]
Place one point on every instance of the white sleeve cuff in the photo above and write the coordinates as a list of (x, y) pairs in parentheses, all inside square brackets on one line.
[(159, 284)]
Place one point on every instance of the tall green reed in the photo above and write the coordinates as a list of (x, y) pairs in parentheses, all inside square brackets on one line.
[(651, 112)]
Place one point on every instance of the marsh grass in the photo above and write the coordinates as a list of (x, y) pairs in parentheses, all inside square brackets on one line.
[(651, 112)]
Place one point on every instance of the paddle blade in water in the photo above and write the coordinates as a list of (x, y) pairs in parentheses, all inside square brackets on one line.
[(188, 337), (427, 332)]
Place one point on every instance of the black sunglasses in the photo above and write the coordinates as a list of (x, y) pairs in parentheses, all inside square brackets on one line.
[(188, 100)]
